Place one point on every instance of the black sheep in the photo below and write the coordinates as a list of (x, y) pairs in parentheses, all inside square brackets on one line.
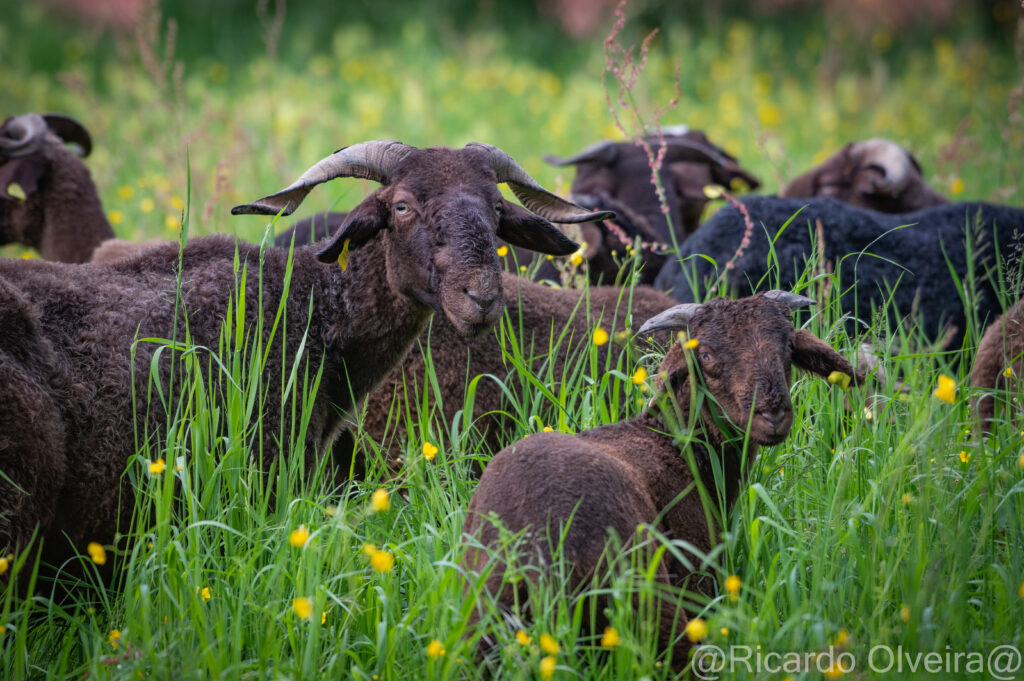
[(871, 251)]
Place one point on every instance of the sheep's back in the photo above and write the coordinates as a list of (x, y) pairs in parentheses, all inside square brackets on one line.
[(873, 252)]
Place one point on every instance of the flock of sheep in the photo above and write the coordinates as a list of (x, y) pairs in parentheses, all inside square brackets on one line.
[(427, 241)]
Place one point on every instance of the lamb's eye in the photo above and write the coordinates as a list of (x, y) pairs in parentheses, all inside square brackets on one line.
[(401, 208), (498, 208), (706, 357)]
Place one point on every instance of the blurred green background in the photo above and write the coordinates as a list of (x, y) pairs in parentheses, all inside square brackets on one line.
[(246, 94)]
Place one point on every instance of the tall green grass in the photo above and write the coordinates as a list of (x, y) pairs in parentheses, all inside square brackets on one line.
[(893, 525)]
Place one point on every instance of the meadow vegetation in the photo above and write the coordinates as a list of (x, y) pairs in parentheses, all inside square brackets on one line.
[(887, 522)]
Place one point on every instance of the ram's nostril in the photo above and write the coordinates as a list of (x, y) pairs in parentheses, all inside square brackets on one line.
[(484, 301)]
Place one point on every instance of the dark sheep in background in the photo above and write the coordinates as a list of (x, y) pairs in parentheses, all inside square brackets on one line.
[(422, 242), (912, 260), (617, 176), (621, 477), (999, 362), (876, 174), (47, 198)]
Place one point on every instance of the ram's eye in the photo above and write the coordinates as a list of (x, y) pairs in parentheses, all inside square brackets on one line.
[(402, 208)]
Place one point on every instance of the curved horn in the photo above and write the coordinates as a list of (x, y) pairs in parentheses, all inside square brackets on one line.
[(21, 135), (368, 160), (672, 319), (535, 198), (688, 151), (70, 130), (892, 159), (793, 301), (602, 153)]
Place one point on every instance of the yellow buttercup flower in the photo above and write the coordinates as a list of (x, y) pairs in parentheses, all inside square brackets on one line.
[(548, 429), (502, 251), (834, 671), (157, 467), (946, 390), (4, 565), (600, 337), (691, 344), (611, 638), (97, 553), (382, 561), (302, 607), (299, 536), (1020, 591), (732, 586), (724, 631), (429, 451), (1007, 372), (547, 667), (905, 613), (1020, 461), (115, 216), (964, 456), (696, 629), (576, 259), (126, 191), (380, 501), (549, 645), (205, 593), (522, 638), (956, 188), (639, 376), (907, 498), (147, 205), (842, 636), (115, 638), (435, 649)]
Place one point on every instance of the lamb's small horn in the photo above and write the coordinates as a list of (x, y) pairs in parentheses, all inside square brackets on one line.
[(673, 319), (793, 301)]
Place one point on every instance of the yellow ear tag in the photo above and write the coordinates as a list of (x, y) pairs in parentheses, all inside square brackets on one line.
[(839, 378), (15, 191), (343, 256)]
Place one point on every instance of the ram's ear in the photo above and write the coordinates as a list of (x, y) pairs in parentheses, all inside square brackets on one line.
[(520, 227), (810, 353), (362, 224), (19, 177)]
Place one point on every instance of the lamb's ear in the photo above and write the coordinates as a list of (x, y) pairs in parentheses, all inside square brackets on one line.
[(810, 353), (362, 224), (520, 227), (22, 173)]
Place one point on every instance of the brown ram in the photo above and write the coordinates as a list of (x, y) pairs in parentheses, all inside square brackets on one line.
[(422, 242), (875, 174), (47, 198), (617, 175)]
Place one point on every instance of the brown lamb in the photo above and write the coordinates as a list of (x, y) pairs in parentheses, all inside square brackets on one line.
[(620, 477), (1001, 350), (422, 242)]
